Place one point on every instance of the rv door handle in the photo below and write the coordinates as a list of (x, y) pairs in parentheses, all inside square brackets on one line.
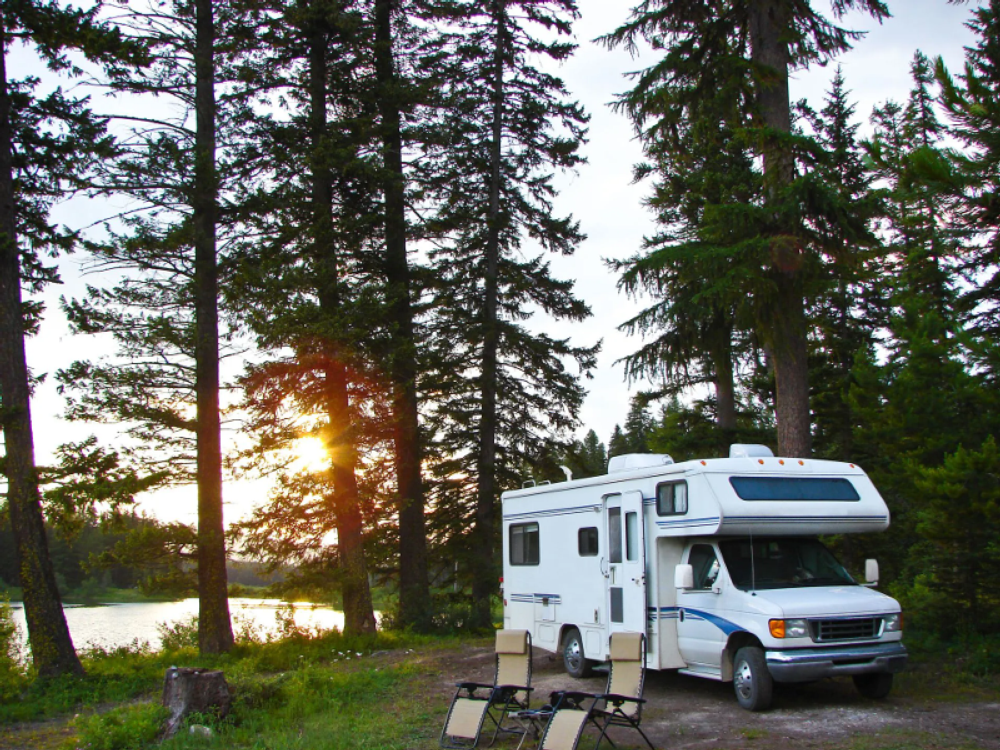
[(604, 567)]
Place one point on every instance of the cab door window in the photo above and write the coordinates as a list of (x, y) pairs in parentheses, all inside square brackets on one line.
[(706, 567)]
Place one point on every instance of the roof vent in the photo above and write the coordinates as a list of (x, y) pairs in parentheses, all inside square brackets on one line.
[(749, 450), (631, 461)]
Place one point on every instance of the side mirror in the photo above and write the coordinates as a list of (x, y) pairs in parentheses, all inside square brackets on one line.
[(871, 571), (684, 577)]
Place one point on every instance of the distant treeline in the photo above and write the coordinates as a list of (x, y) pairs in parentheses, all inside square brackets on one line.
[(79, 561)]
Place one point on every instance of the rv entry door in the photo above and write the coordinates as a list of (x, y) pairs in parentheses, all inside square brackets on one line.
[(626, 578)]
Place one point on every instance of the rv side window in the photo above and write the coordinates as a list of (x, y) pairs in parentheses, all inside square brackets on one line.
[(631, 537), (586, 540), (615, 535), (524, 544), (672, 499)]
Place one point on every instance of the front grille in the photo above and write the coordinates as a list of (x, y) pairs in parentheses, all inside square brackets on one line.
[(847, 629)]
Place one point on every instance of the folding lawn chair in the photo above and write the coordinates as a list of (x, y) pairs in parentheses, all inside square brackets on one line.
[(619, 705), (475, 702)]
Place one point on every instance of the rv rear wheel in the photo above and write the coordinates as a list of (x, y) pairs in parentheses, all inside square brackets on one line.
[(577, 665), (751, 680), (873, 685)]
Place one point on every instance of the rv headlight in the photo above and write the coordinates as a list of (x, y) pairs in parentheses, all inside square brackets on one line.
[(788, 628), (893, 623)]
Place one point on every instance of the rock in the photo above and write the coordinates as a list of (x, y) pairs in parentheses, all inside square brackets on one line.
[(200, 730), (187, 691)]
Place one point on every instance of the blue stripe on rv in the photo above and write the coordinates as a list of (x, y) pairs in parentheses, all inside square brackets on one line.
[(673, 613)]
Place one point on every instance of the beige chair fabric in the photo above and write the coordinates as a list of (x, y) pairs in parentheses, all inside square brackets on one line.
[(619, 705), (564, 730), (466, 718), (475, 702), (513, 661)]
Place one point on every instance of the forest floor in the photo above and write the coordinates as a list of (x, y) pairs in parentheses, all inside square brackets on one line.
[(928, 710)]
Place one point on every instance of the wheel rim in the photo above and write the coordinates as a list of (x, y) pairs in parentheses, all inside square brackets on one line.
[(574, 654), (744, 681)]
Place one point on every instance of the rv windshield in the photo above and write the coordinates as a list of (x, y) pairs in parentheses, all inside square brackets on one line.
[(768, 563)]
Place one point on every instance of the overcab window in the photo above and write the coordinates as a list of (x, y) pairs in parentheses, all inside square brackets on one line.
[(524, 549)]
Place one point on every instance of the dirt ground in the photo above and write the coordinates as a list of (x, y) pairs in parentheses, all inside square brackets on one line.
[(689, 712)]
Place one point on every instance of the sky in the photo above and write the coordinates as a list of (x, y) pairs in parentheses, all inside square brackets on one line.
[(600, 195)]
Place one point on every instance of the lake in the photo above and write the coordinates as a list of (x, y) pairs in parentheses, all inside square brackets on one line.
[(113, 625)]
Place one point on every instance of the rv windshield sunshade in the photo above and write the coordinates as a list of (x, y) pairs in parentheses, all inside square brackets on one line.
[(809, 489)]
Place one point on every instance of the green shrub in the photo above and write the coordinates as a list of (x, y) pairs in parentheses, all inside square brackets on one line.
[(13, 676), (132, 727), (175, 636)]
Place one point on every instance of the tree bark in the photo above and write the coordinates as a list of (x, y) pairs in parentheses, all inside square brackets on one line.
[(414, 593), (785, 326), (48, 635), (483, 567), (215, 632), (721, 354), (194, 691), (344, 501)]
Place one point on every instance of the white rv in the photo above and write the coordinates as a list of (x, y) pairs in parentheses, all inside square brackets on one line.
[(716, 560)]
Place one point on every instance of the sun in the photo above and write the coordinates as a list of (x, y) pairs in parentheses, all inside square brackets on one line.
[(311, 455)]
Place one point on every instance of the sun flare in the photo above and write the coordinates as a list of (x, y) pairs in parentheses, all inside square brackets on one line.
[(311, 455)]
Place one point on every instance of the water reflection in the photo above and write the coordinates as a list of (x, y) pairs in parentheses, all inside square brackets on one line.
[(112, 625)]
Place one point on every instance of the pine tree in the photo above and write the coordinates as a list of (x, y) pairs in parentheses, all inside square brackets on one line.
[(960, 558), (393, 96), (769, 38), (505, 127), (851, 312), (906, 419), (164, 314), (974, 111), (699, 320), (45, 145), (587, 457), (303, 281)]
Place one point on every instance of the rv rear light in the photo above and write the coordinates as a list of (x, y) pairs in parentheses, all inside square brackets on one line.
[(788, 628), (893, 623)]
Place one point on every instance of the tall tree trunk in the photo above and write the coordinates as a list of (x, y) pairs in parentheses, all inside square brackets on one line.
[(786, 326), (359, 617), (483, 580), (51, 644), (721, 354), (414, 593), (215, 632)]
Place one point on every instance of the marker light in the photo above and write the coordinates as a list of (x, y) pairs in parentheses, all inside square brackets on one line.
[(788, 628)]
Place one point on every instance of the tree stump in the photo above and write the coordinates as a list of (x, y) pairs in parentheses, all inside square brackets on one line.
[(187, 691)]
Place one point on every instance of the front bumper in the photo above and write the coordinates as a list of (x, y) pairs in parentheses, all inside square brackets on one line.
[(805, 664)]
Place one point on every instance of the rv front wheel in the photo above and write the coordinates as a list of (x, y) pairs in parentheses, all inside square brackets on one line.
[(751, 680), (577, 665), (873, 685)]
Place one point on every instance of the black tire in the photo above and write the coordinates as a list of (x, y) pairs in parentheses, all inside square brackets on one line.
[(576, 664), (752, 682), (875, 686)]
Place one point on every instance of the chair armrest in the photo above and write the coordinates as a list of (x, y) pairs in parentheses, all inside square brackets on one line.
[(571, 698), (472, 687), (618, 700)]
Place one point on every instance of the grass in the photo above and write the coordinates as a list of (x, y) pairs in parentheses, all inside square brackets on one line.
[(306, 690)]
